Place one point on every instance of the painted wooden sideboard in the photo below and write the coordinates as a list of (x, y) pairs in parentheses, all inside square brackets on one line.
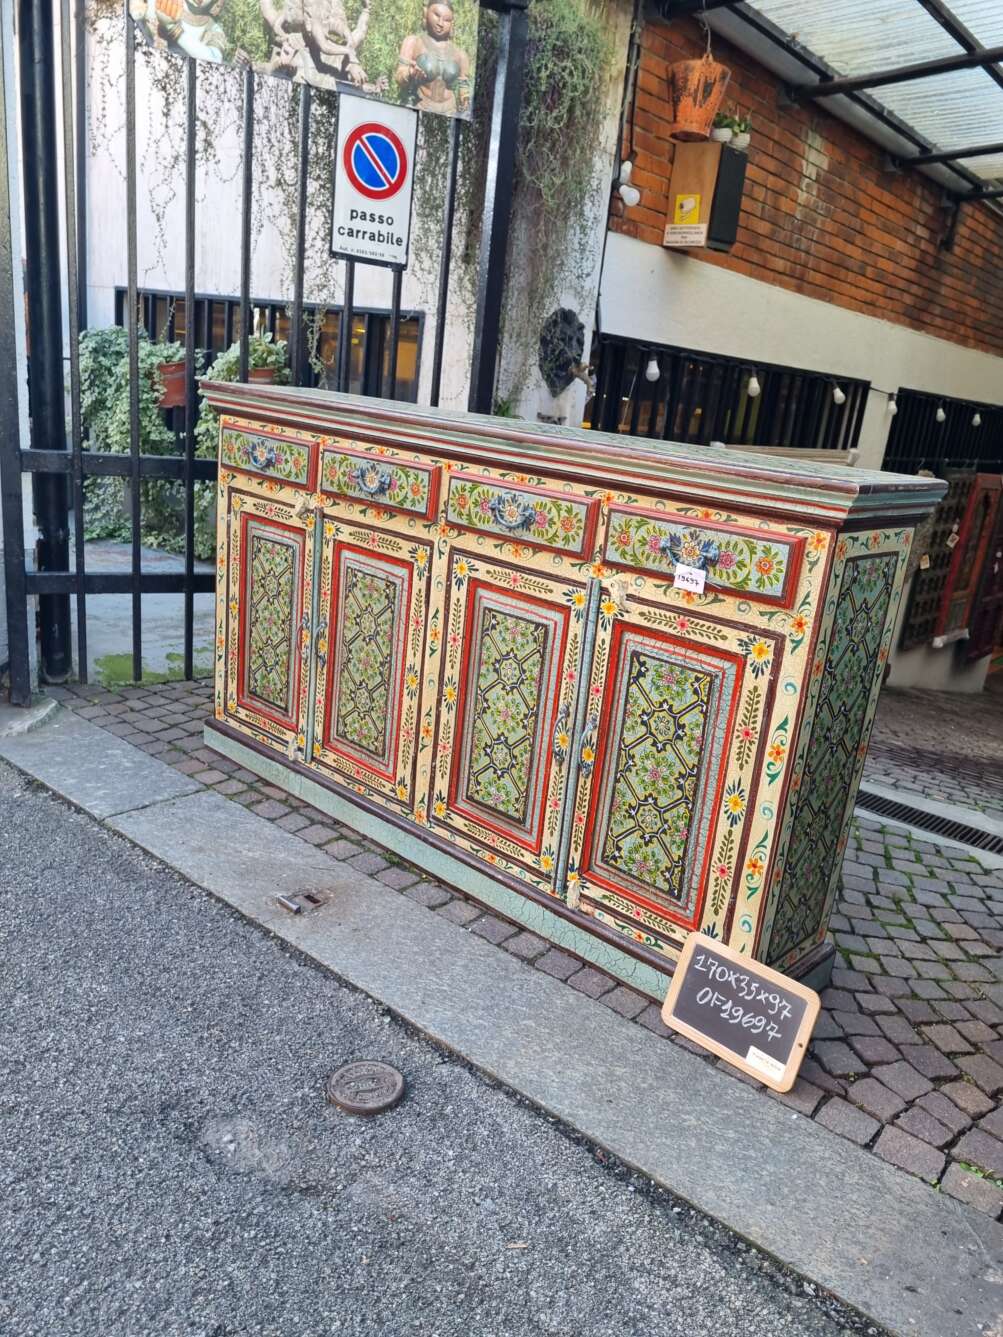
[(462, 636)]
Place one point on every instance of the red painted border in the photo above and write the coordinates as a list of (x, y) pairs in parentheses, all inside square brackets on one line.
[(434, 472), (328, 738), (289, 438), (535, 846), (605, 742), (796, 543), (244, 702), (591, 505)]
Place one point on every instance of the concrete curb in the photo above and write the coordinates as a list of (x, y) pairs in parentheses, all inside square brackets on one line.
[(17, 720), (862, 1230)]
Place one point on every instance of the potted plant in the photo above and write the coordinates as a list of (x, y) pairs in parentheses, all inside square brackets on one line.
[(266, 360), (722, 130), (742, 127), (696, 90), (172, 376)]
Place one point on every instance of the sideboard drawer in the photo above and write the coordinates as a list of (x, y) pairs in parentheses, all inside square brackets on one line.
[(758, 564), (392, 483), (285, 457), (543, 517)]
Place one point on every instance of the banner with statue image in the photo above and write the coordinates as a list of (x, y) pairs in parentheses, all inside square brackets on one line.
[(408, 52)]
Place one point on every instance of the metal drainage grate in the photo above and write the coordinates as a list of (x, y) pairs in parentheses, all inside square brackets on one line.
[(301, 903), (928, 821)]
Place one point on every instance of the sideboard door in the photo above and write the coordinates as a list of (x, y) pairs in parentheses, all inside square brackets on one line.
[(669, 759), (372, 610), (265, 620), (507, 675)]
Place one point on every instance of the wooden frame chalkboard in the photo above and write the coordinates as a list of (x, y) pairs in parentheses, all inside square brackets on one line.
[(751, 1016)]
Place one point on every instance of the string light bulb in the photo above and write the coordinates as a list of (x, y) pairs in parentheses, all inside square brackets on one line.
[(977, 420), (652, 371), (893, 406), (630, 195), (838, 395), (941, 413), (754, 389)]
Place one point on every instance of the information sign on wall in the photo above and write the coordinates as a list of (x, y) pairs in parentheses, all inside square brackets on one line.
[(373, 183), (746, 1013)]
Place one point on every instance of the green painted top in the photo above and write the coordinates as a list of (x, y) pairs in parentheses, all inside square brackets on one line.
[(711, 475)]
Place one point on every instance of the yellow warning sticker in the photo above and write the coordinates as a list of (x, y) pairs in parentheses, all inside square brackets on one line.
[(687, 209)]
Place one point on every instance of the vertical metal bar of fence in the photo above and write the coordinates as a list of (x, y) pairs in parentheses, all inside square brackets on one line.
[(191, 113), (395, 333), (246, 201), (132, 268), (80, 145), (445, 260), (299, 259), (345, 329), (75, 323), (40, 185), (512, 33), (11, 513)]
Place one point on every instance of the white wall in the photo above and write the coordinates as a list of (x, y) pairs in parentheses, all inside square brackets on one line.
[(651, 293)]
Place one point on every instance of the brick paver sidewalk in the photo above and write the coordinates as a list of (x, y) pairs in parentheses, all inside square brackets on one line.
[(907, 1057), (942, 745)]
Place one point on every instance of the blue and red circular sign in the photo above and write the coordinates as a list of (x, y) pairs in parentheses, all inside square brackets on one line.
[(375, 161)]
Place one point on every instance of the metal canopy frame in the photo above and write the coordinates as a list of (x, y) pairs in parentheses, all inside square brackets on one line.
[(830, 83)]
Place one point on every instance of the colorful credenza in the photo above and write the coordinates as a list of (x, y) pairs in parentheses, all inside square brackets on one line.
[(463, 636)]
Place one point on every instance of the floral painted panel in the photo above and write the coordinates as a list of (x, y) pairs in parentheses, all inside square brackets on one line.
[(657, 798), (270, 630), (760, 565), (269, 455), (507, 711), (841, 717), (369, 647), (547, 519), (380, 480)]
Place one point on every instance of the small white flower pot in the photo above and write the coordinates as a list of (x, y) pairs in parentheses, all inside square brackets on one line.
[(721, 134), (740, 140)]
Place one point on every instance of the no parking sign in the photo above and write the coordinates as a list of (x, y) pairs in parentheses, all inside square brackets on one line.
[(373, 182)]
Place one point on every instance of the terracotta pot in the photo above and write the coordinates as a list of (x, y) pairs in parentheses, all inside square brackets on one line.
[(696, 89), (173, 376), (266, 375)]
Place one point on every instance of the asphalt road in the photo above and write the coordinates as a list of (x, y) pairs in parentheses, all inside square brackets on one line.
[(168, 1163)]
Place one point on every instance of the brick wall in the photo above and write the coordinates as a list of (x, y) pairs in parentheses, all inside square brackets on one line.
[(820, 215)]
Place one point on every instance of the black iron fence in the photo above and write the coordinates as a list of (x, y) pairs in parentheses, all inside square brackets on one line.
[(375, 359), (677, 394)]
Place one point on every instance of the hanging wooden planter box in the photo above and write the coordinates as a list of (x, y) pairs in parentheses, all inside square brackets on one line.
[(696, 90), (705, 197)]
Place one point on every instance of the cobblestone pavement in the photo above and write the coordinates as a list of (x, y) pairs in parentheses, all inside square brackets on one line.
[(943, 745), (907, 1056)]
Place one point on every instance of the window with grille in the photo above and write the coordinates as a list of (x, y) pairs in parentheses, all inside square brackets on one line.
[(702, 397)]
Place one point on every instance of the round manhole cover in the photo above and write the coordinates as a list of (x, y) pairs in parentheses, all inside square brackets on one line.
[(366, 1087)]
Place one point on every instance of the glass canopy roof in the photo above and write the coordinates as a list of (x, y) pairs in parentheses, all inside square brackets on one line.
[(815, 40)]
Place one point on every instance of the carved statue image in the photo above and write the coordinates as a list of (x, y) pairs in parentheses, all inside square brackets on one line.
[(432, 71), (188, 27), (313, 38)]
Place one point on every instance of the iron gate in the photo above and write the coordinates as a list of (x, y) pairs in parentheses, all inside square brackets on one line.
[(60, 467)]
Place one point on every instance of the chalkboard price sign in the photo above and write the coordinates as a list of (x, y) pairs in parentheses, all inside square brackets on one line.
[(746, 1013)]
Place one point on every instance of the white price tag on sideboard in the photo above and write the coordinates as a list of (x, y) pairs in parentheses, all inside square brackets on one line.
[(689, 578)]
